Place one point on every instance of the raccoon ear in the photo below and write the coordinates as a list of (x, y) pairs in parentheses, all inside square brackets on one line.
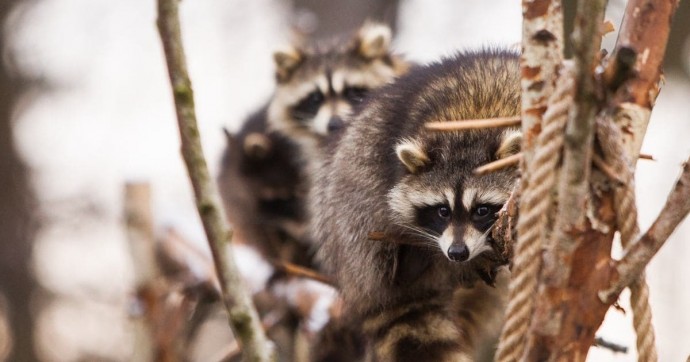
[(286, 61), (373, 41), (257, 145), (412, 155), (510, 145)]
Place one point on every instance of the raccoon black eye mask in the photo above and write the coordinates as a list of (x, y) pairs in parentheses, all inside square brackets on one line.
[(458, 217)]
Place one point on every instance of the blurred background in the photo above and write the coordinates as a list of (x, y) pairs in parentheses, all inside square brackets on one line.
[(85, 106)]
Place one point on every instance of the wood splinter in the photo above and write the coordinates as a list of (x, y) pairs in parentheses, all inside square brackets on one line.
[(515, 159), (499, 164), (299, 271), (606, 169), (474, 124)]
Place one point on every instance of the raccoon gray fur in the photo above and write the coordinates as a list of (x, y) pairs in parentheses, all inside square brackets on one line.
[(389, 174), (263, 186), (319, 85)]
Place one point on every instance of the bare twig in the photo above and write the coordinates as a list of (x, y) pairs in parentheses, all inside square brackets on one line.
[(243, 317), (639, 253), (387, 238), (511, 160), (577, 158), (299, 271), (610, 140), (603, 343), (474, 124), (606, 169), (377, 235), (635, 80)]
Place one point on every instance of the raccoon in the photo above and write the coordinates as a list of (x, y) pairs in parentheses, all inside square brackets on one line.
[(388, 174), (265, 172), (318, 86), (262, 184)]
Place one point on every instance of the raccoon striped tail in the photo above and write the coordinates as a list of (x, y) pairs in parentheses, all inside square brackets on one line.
[(420, 331)]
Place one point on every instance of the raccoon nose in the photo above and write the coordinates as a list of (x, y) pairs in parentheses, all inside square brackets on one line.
[(335, 123), (458, 252)]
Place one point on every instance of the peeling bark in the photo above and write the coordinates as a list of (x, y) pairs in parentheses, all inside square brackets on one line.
[(577, 263)]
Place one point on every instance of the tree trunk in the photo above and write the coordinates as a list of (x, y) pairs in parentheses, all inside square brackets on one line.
[(17, 224)]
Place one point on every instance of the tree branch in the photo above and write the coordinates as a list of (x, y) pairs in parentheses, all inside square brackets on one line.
[(639, 253), (638, 57), (243, 317), (561, 329)]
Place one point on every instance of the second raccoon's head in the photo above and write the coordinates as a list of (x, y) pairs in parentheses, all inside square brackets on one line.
[(440, 200), (318, 87)]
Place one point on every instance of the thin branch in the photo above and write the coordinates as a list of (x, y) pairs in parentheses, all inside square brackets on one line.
[(377, 236), (614, 347), (386, 238), (606, 169), (242, 315), (299, 271), (577, 158), (639, 253), (474, 124), (511, 160)]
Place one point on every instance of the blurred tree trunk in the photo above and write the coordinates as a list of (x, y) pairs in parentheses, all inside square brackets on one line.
[(17, 225), (324, 19)]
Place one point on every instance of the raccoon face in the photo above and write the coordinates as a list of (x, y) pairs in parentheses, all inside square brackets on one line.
[(442, 202), (317, 88)]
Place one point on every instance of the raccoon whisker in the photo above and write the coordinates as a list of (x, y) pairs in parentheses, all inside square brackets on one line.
[(488, 231), (474, 124), (425, 234), (498, 164)]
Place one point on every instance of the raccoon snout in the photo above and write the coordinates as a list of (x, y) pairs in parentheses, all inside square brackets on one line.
[(458, 252), (335, 123)]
